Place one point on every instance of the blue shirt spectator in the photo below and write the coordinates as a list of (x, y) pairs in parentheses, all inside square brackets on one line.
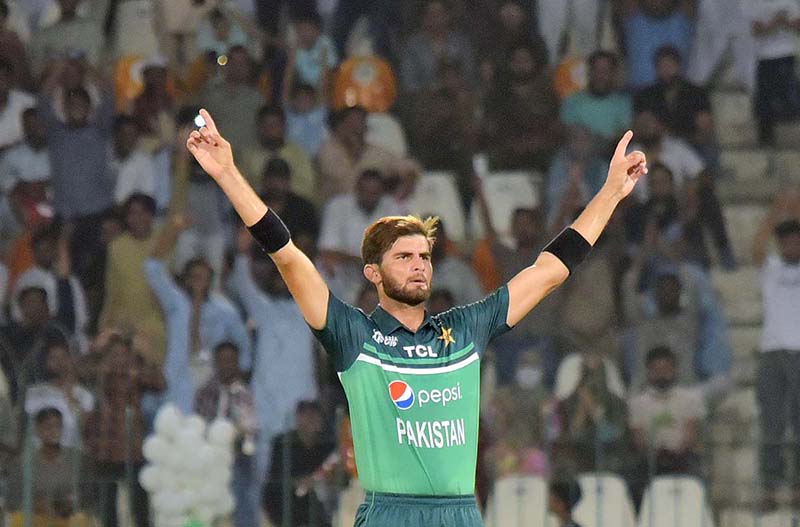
[(219, 322), (81, 181), (283, 364), (649, 26), (601, 108)]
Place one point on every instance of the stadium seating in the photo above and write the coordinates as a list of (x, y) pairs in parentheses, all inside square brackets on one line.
[(505, 192), (604, 502), (675, 502), (519, 501), (436, 191)]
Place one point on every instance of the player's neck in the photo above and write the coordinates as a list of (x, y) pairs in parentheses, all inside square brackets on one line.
[(408, 315)]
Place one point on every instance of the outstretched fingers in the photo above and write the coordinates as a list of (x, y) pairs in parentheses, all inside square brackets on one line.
[(210, 124), (622, 146)]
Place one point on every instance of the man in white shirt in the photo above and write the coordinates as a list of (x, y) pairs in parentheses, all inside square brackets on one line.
[(774, 25), (28, 161), (344, 220), (133, 166), (12, 104), (778, 382), (666, 420)]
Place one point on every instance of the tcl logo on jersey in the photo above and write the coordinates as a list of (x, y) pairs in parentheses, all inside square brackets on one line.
[(404, 396)]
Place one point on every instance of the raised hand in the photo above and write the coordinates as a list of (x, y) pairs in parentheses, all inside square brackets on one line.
[(210, 149), (625, 170)]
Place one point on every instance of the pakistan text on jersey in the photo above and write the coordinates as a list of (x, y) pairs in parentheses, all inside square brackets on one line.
[(431, 434)]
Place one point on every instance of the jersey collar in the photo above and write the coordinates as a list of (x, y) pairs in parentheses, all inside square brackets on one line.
[(387, 323)]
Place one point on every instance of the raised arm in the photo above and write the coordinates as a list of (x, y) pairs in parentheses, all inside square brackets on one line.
[(305, 283), (549, 271)]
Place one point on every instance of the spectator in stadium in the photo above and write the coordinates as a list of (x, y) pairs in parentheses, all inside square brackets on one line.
[(522, 112), (777, 381), (55, 470), (297, 212), (57, 387), (129, 300), (29, 160), (685, 109), (344, 219), (445, 124), (197, 319), (272, 143), (671, 302), (154, 112), (601, 107), (578, 19), (306, 118), (115, 430), (648, 25), (82, 186), (13, 103), (12, 50), (454, 273), (774, 26), (593, 413), (666, 420), (226, 395), (51, 272), (510, 22), (218, 33), (235, 98), (21, 339), (519, 444), (346, 154), (308, 449), (131, 167), (69, 74), (578, 164), (436, 42), (153, 109), (380, 15), (690, 178), (72, 35), (283, 362), (312, 56)]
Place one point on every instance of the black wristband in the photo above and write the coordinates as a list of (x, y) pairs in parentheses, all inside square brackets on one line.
[(569, 247), (270, 232)]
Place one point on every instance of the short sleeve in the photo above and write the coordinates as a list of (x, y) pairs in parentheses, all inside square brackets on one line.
[(487, 317), (341, 336)]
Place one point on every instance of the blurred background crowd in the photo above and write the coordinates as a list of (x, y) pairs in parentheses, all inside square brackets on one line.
[(126, 280)]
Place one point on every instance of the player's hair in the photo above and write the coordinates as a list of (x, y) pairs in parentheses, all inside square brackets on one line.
[(381, 235)]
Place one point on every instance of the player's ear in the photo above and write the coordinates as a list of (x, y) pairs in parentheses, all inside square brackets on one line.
[(372, 274)]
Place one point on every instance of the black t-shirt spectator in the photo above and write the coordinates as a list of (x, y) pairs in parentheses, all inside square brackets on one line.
[(677, 104)]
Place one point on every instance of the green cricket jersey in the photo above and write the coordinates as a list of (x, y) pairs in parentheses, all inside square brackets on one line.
[(414, 397)]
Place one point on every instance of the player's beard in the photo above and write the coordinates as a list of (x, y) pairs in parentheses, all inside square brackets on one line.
[(404, 293)]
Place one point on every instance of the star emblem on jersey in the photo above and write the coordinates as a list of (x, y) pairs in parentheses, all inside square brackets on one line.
[(447, 336)]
